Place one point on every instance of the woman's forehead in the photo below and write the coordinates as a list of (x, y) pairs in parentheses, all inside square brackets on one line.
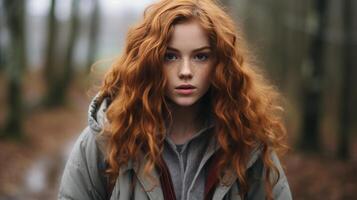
[(188, 35)]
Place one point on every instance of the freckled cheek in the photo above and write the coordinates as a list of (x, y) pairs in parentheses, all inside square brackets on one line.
[(205, 80)]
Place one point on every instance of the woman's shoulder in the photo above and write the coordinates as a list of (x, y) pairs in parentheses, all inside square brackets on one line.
[(85, 167), (88, 143), (89, 147)]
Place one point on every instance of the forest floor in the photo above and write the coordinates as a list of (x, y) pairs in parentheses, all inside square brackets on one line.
[(32, 169)]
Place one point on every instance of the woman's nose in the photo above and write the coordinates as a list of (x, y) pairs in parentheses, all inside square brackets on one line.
[(185, 71)]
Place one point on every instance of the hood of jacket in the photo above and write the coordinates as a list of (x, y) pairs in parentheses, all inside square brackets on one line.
[(96, 113)]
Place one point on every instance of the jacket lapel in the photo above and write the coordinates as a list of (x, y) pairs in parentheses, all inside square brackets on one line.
[(150, 183), (230, 177)]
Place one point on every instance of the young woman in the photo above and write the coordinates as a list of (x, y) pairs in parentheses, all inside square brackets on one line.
[(183, 114)]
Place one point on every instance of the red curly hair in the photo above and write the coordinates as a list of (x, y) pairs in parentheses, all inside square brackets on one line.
[(245, 106)]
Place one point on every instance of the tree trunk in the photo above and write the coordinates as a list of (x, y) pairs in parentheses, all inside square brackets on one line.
[(312, 91), (2, 49), (67, 76), (93, 35), (349, 73), (58, 83), (15, 18), (50, 66)]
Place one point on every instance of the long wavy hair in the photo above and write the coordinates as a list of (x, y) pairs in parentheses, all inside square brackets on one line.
[(245, 106)]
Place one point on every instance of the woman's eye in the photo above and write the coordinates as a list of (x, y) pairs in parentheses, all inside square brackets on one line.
[(201, 57), (170, 57)]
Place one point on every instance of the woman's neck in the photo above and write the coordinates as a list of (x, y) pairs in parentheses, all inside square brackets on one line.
[(185, 122)]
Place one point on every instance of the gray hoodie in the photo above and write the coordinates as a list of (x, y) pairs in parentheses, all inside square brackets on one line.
[(84, 177)]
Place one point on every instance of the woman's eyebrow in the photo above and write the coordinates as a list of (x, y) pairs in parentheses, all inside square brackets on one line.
[(195, 50)]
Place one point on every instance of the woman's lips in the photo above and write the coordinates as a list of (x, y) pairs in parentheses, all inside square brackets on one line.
[(185, 91)]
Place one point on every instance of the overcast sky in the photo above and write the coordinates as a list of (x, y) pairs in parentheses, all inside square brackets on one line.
[(110, 7)]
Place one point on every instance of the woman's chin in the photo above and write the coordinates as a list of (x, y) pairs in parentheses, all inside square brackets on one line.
[(183, 102)]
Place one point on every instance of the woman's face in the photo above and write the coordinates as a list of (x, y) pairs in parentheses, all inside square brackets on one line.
[(188, 64)]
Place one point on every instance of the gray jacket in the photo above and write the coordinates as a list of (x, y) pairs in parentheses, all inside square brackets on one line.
[(84, 178)]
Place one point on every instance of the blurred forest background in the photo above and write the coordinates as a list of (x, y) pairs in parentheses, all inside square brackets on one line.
[(53, 54)]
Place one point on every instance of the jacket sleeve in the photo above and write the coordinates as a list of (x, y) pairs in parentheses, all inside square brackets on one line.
[(83, 177), (281, 190)]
